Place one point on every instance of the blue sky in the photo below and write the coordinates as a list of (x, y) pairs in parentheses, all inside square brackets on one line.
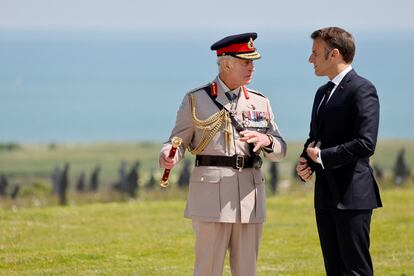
[(191, 14)]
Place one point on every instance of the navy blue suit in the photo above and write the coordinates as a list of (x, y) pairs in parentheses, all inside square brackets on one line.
[(345, 190)]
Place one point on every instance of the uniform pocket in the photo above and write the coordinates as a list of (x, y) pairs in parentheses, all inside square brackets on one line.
[(204, 193), (260, 193)]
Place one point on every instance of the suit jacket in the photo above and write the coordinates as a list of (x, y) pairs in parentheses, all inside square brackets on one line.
[(347, 130), (224, 194)]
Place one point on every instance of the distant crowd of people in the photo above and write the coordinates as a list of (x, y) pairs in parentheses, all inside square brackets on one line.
[(128, 180), (126, 184)]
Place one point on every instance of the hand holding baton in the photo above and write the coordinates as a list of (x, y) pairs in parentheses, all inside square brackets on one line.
[(175, 143)]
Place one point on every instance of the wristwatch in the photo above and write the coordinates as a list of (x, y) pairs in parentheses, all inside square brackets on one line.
[(271, 140), (269, 148)]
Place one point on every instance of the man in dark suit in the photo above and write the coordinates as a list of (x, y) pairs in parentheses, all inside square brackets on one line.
[(342, 137)]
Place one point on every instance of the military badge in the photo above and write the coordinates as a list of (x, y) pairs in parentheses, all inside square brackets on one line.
[(250, 44), (251, 106), (256, 119)]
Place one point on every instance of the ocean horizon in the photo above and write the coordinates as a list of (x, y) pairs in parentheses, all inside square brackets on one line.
[(82, 87)]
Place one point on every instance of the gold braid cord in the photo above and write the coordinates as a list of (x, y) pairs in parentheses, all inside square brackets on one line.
[(210, 126)]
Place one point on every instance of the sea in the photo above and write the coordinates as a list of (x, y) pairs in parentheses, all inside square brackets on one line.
[(126, 86)]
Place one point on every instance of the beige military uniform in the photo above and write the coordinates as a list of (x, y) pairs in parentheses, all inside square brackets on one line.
[(224, 194)]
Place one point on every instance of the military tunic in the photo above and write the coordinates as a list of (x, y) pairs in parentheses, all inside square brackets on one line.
[(225, 194)]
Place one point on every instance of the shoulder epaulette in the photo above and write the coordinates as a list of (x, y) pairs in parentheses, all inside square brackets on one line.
[(255, 92), (198, 88)]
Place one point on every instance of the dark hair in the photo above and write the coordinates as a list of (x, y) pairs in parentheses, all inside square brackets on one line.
[(338, 38)]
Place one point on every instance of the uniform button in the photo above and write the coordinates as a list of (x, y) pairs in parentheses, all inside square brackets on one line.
[(202, 179)]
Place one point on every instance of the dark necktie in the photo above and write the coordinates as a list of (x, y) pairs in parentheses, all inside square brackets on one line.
[(330, 85), (231, 96)]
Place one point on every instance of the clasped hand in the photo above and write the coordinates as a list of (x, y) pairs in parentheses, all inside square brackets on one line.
[(313, 150), (259, 139), (302, 167)]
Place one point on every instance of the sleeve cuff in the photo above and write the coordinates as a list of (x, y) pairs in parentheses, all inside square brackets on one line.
[(319, 160), (269, 148)]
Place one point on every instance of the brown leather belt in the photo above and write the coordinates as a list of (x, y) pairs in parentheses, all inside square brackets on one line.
[(235, 161)]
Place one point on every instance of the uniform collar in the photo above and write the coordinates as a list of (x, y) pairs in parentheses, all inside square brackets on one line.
[(221, 96), (226, 89)]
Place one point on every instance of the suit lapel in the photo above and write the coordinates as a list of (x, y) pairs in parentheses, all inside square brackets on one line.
[(318, 99), (339, 89), (345, 81)]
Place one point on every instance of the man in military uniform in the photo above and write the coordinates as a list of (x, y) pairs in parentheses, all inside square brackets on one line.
[(227, 126)]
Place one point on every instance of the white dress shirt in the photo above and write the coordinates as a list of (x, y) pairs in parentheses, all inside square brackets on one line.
[(337, 80)]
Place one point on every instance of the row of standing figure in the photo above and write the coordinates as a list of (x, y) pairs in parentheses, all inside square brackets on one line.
[(93, 181), (401, 170), (127, 183), (60, 182), (4, 183)]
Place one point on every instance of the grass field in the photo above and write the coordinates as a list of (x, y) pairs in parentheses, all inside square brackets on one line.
[(152, 238), (105, 234)]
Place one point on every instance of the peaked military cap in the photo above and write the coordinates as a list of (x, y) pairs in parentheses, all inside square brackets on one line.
[(239, 46)]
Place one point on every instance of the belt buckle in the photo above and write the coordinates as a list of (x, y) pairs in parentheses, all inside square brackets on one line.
[(239, 162)]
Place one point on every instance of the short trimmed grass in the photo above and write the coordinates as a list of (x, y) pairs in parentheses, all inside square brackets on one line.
[(151, 237)]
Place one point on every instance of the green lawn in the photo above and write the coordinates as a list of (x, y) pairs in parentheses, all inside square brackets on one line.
[(151, 237), (105, 234)]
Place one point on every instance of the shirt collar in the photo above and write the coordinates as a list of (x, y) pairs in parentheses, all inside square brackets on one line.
[(337, 80), (226, 89)]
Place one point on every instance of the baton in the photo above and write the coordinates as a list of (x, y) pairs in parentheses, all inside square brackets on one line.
[(175, 143)]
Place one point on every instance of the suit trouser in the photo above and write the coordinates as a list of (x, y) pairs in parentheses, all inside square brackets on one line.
[(344, 237), (214, 238)]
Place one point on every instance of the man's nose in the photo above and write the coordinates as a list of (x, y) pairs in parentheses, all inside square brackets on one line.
[(251, 66)]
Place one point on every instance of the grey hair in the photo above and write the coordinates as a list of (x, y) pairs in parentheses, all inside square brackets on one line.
[(221, 58)]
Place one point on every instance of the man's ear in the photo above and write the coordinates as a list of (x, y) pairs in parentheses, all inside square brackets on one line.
[(335, 53), (227, 65)]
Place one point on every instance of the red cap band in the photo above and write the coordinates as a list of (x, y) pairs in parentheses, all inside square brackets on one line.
[(237, 48)]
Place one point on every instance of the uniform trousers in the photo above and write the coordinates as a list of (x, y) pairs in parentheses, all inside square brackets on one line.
[(214, 238)]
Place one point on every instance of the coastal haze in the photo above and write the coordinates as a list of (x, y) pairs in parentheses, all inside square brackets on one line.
[(71, 74)]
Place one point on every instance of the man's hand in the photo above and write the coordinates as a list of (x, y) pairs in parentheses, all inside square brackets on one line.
[(165, 161), (303, 169), (313, 150), (259, 139)]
